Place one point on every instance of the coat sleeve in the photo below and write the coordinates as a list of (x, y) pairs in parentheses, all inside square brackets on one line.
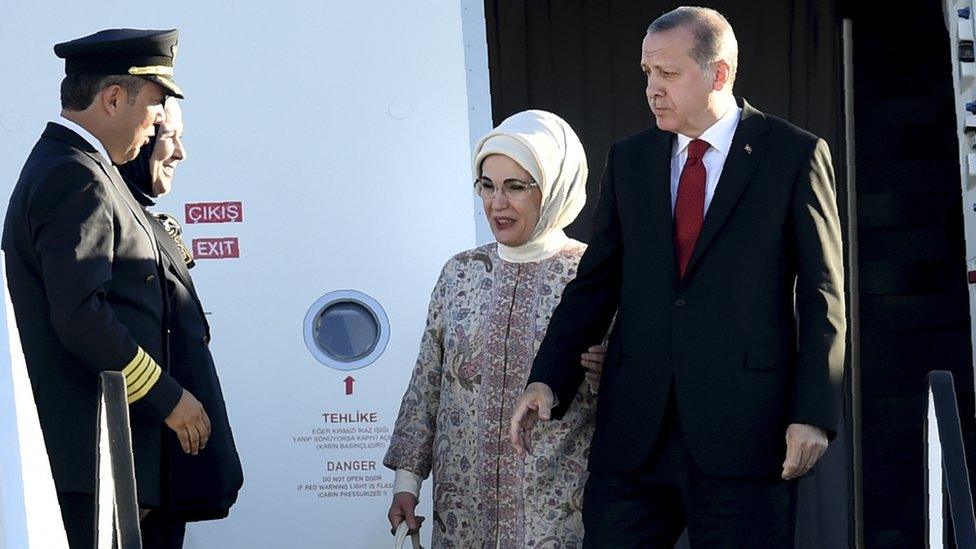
[(412, 443), (820, 305), (72, 225), (587, 305)]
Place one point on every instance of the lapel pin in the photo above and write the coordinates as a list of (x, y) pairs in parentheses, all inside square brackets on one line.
[(748, 148)]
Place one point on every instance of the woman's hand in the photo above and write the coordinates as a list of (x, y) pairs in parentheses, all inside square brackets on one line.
[(592, 360), (402, 508)]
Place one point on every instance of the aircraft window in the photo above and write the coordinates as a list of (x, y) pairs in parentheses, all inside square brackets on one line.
[(346, 330)]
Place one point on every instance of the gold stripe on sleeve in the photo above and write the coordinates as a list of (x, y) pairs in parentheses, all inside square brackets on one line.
[(141, 374), (138, 382), (150, 383), (138, 373), (133, 364)]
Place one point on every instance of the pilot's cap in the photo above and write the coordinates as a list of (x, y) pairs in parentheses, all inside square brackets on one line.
[(148, 54)]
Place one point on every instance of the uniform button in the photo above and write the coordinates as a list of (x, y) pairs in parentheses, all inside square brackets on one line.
[(150, 279), (206, 340), (679, 302)]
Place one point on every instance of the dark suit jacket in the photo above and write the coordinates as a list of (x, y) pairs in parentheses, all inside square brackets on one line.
[(204, 486), (743, 364), (83, 274)]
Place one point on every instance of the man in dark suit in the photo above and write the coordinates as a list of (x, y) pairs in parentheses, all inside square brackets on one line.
[(718, 389), (83, 271)]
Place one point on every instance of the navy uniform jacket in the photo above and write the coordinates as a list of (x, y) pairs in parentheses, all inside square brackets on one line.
[(751, 339), (204, 486), (84, 277)]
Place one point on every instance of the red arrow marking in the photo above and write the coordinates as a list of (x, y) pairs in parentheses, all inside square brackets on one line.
[(349, 381)]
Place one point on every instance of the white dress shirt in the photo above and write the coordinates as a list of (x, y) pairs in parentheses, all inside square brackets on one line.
[(719, 136), (85, 134)]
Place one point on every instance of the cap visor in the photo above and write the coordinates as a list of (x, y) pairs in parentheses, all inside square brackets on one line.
[(167, 84)]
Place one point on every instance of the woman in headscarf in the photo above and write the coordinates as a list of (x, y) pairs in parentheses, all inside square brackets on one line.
[(488, 314), (202, 483)]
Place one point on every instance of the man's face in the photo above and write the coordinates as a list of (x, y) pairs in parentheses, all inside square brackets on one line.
[(678, 89), (136, 120), (169, 150)]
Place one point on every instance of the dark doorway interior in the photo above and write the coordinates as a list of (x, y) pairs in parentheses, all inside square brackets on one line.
[(579, 59), (914, 313)]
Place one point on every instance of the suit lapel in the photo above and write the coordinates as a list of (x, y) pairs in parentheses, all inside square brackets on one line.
[(746, 152), (137, 210), (178, 266), (655, 172)]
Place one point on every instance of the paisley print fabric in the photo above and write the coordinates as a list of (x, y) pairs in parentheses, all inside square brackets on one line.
[(486, 320)]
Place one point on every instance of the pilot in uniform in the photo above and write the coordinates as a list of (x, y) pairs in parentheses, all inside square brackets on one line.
[(85, 275)]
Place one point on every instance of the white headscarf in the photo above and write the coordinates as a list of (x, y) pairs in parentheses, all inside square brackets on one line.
[(548, 148)]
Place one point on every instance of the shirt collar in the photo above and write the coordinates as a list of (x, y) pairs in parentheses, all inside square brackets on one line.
[(718, 135), (85, 134)]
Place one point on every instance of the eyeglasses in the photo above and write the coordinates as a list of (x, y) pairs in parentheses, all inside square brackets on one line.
[(512, 189)]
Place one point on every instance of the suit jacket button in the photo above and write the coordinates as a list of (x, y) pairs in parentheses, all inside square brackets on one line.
[(150, 279), (679, 302), (206, 340)]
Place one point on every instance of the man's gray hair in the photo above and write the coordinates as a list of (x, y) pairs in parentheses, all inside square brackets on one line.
[(714, 39), (79, 90)]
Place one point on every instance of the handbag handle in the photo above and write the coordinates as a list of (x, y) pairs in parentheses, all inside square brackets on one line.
[(402, 532)]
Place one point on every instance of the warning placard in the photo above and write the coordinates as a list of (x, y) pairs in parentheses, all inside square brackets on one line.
[(351, 445)]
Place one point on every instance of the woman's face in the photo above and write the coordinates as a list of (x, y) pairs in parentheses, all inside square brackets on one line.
[(512, 220), (169, 149)]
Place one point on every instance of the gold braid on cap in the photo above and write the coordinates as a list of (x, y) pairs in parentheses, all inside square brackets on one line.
[(174, 230), (154, 70)]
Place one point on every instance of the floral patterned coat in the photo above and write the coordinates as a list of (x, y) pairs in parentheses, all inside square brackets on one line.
[(486, 320)]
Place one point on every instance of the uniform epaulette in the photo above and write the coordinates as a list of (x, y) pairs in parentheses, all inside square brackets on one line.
[(174, 230)]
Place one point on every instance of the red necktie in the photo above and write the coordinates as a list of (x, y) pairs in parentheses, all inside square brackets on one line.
[(689, 206)]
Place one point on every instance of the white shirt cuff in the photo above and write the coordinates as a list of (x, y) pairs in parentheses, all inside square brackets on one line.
[(407, 481)]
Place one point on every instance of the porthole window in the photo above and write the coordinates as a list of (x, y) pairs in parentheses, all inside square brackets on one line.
[(346, 330)]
